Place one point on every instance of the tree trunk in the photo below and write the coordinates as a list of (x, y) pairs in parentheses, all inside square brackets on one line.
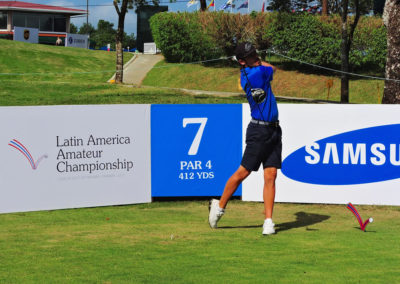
[(347, 39), (391, 18), (119, 69), (344, 89), (203, 5), (325, 7)]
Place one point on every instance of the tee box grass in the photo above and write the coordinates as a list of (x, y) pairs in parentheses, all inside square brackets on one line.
[(171, 242)]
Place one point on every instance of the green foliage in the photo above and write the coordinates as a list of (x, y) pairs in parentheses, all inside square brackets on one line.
[(185, 37), (280, 5), (305, 38), (316, 40), (129, 40), (180, 37), (369, 46), (73, 29), (87, 29), (104, 34)]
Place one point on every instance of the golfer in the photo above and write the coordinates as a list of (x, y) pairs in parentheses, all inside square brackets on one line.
[(263, 136)]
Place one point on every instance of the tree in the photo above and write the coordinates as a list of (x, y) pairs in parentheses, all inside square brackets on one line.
[(87, 29), (280, 5), (105, 34), (129, 40), (391, 18), (347, 34), (73, 29), (122, 6), (203, 5), (378, 7)]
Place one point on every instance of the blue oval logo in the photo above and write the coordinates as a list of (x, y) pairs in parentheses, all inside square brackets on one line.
[(355, 157)]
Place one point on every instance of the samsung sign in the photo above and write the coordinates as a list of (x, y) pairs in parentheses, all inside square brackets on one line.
[(337, 154), (355, 157)]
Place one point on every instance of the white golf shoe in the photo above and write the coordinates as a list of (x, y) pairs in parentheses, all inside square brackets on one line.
[(215, 213), (268, 227)]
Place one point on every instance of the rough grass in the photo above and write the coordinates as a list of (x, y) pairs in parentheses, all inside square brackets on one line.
[(288, 82), (164, 242)]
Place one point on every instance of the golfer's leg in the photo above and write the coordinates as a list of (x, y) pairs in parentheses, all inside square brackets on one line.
[(232, 184), (269, 191)]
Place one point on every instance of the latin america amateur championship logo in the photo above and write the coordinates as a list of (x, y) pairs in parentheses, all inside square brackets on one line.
[(25, 152), (360, 156)]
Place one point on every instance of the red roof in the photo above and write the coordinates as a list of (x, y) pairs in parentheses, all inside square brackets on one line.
[(25, 6)]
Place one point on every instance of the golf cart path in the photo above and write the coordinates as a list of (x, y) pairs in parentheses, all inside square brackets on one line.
[(138, 67)]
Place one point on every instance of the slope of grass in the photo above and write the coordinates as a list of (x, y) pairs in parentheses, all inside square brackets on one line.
[(286, 83), (52, 75), (171, 242)]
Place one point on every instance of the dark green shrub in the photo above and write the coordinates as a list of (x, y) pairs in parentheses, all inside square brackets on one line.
[(305, 38), (181, 38)]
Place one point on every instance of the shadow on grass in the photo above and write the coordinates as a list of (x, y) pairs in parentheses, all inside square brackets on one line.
[(366, 231), (302, 220)]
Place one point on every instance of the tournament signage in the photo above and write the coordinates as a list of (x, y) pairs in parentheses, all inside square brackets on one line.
[(76, 40), (83, 156), (30, 35), (337, 154), (195, 148)]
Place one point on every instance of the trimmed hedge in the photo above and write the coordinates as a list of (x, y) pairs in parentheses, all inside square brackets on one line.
[(186, 37)]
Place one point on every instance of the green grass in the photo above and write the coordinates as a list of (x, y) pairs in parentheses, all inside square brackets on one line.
[(74, 76), (171, 242), (286, 83)]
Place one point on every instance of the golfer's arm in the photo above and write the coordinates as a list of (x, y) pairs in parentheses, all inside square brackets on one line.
[(263, 63)]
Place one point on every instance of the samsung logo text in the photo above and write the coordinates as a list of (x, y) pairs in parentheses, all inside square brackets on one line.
[(355, 157)]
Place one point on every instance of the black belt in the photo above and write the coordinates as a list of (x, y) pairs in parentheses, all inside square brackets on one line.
[(267, 123)]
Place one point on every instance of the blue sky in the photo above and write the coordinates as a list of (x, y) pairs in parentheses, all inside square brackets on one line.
[(107, 12)]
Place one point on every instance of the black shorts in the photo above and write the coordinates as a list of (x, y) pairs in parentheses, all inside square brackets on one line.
[(263, 145)]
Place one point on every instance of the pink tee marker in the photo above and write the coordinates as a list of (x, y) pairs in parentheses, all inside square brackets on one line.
[(360, 221)]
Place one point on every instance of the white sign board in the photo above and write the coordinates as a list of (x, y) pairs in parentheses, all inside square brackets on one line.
[(335, 154), (76, 40), (30, 35), (149, 48), (74, 156)]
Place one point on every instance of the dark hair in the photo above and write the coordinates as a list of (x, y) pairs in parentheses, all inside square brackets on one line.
[(244, 49)]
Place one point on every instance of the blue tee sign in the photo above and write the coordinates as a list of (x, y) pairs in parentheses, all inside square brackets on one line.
[(194, 148)]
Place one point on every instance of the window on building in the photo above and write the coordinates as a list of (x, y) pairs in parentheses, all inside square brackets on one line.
[(46, 23), (60, 23), (19, 20), (3, 20), (32, 21), (43, 22)]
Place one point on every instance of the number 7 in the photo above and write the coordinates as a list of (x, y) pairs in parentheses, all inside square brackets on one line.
[(196, 141)]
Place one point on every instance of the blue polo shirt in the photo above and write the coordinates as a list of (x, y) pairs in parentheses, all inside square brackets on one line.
[(260, 77)]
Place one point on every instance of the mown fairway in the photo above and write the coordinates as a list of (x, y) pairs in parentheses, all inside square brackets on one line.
[(171, 242)]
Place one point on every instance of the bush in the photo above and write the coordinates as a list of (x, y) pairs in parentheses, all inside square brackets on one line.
[(187, 37), (181, 38), (304, 37)]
